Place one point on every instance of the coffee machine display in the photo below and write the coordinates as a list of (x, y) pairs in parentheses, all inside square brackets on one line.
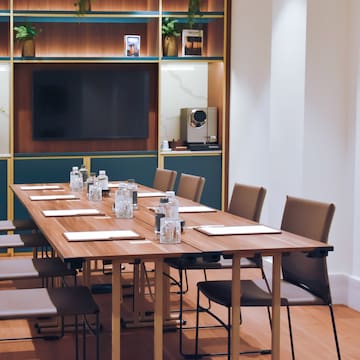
[(198, 128)]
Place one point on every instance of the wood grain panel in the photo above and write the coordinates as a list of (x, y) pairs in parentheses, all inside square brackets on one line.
[(90, 40), (205, 5), (23, 141), (4, 5), (215, 37), (4, 39), (98, 5), (215, 93)]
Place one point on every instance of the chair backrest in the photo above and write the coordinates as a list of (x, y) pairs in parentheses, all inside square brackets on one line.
[(164, 179), (310, 219), (247, 201), (191, 187)]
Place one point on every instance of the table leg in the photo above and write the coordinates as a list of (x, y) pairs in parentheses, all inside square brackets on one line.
[(276, 276), (116, 301), (86, 273), (235, 316), (158, 315)]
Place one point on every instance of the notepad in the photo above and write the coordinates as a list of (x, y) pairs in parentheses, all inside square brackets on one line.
[(195, 209), (151, 194), (237, 230), (53, 197), (41, 187), (102, 235), (71, 212)]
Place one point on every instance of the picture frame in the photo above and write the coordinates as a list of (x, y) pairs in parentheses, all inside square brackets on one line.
[(132, 45), (192, 42)]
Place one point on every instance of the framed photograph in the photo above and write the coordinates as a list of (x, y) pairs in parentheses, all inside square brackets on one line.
[(132, 45), (192, 42)]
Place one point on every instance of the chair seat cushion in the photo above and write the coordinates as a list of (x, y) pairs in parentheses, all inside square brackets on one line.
[(251, 294), (22, 240), (295, 295), (17, 224), (27, 303), (12, 269)]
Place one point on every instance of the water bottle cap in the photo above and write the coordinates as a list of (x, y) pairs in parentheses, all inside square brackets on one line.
[(102, 172), (75, 168), (170, 193)]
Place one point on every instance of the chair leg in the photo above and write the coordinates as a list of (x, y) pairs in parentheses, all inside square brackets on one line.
[(290, 333), (197, 324), (84, 337), (335, 332), (76, 338), (97, 336)]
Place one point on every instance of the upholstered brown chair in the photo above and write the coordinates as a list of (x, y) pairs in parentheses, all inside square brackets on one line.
[(247, 202), (164, 179), (190, 187), (305, 276)]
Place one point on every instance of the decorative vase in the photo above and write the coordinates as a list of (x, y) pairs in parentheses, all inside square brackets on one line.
[(170, 46), (28, 48)]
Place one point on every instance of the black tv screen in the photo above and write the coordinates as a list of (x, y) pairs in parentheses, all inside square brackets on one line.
[(90, 104)]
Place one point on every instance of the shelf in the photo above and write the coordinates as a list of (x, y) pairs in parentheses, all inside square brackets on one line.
[(193, 58), (102, 59), (202, 15), (93, 17)]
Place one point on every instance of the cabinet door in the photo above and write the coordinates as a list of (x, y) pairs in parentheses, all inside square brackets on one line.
[(4, 109), (201, 165)]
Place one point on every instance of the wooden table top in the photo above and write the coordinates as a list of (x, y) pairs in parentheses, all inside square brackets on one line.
[(143, 223)]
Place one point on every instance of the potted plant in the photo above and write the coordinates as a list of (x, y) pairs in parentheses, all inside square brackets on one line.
[(82, 6), (26, 34), (170, 35), (193, 10)]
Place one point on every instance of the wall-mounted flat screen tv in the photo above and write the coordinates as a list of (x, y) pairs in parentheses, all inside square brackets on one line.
[(90, 104)]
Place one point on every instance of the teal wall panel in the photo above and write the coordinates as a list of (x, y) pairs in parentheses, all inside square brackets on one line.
[(40, 170), (3, 189), (206, 166), (142, 169)]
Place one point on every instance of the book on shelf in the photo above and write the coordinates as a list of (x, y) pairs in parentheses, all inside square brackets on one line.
[(192, 42), (132, 45)]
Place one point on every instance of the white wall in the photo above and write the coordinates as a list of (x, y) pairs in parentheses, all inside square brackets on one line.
[(4, 109), (182, 86), (294, 115), (250, 90)]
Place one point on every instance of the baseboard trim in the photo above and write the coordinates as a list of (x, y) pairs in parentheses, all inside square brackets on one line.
[(345, 289)]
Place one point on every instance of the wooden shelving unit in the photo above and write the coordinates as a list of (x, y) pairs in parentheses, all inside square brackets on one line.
[(96, 40)]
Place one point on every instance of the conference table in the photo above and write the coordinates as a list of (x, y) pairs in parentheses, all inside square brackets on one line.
[(79, 229)]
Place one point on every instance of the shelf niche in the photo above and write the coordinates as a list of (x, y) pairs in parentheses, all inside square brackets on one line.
[(96, 6)]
